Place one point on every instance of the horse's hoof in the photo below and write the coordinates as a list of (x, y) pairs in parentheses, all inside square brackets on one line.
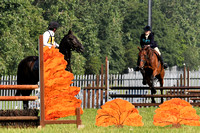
[(153, 91), (144, 82), (153, 101)]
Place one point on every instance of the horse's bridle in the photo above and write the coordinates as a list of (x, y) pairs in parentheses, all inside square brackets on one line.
[(144, 61)]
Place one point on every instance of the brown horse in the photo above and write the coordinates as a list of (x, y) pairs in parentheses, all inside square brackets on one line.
[(151, 68), (26, 75)]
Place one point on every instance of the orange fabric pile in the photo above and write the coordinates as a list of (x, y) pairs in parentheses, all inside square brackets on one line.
[(118, 112), (176, 112), (60, 100)]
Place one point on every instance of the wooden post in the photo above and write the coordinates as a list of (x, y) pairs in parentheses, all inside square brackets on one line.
[(101, 84), (97, 92), (188, 81), (184, 76), (106, 77), (184, 80), (181, 80), (84, 98), (93, 95), (88, 99), (177, 83), (42, 113), (188, 77), (78, 117)]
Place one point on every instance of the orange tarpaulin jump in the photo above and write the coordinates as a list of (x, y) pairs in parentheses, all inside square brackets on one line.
[(60, 100), (118, 112), (176, 112)]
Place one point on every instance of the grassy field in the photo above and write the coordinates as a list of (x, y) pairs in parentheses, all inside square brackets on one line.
[(88, 119)]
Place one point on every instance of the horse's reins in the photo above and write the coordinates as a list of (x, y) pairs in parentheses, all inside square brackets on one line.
[(147, 56)]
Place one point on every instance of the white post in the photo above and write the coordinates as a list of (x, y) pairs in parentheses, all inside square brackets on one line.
[(149, 13)]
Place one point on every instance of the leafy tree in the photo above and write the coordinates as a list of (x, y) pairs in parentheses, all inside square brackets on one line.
[(106, 28), (64, 13), (20, 26), (191, 57), (89, 29), (134, 21), (93, 65), (183, 15), (78, 64), (110, 36), (131, 54)]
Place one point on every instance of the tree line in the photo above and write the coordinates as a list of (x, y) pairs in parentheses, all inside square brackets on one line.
[(109, 28)]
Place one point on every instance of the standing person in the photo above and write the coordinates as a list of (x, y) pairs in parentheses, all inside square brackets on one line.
[(49, 35), (147, 39)]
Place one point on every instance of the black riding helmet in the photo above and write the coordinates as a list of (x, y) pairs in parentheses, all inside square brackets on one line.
[(53, 25), (147, 28)]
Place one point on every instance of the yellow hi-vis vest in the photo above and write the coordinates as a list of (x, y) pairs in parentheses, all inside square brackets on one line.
[(51, 39)]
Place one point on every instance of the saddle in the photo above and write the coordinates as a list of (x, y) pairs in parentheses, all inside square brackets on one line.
[(157, 54)]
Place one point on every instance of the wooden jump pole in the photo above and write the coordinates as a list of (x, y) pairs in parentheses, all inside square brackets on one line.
[(41, 62), (18, 87), (43, 122), (18, 98)]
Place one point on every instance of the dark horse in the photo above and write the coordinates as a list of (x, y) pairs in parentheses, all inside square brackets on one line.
[(27, 76), (151, 68)]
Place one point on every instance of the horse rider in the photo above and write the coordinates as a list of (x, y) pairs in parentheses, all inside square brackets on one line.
[(49, 35), (48, 40), (147, 39)]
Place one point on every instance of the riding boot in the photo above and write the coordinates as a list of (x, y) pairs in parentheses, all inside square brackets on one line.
[(144, 82), (162, 62), (138, 63)]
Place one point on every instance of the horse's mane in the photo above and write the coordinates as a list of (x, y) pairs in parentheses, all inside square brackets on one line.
[(63, 47), (149, 51)]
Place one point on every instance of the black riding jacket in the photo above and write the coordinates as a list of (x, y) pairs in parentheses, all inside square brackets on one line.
[(149, 41)]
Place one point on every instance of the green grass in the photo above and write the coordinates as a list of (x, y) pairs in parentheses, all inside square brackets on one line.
[(88, 119)]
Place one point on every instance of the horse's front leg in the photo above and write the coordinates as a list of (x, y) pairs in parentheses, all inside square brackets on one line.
[(18, 93), (144, 82), (151, 86), (152, 93), (153, 90), (161, 85)]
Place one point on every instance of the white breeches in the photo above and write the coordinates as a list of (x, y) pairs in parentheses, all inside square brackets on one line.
[(157, 50)]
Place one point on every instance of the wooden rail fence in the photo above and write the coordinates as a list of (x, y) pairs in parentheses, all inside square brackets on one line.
[(99, 90), (183, 91), (94, 95), (18, 98)]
